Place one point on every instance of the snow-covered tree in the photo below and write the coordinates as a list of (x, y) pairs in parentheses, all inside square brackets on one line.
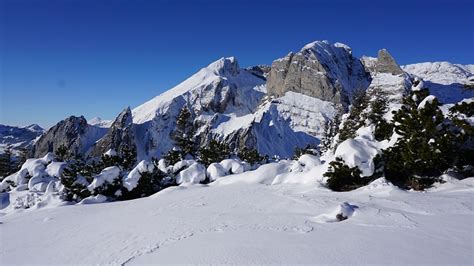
[(341, 177), (6, 163), (378, 107), (61, 153), (331, 129), (426, 146), (75, 178), (251, 156), (183, 135), (215, 151), (354, 120)]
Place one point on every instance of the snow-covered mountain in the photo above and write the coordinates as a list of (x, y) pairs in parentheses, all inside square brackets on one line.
[(447, 81), (273, 108), (18, 137), (99, 122), (229, 103)]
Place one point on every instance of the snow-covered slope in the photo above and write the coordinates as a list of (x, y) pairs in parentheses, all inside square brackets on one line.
[(249, 223), (445, 80)]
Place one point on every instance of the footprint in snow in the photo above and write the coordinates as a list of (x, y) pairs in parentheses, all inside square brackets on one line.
[(341, 213)]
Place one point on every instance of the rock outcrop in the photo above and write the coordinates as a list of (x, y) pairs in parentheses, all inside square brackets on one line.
[(386, 63), (322, 70), (73, 133), (387, 77), (120, 136)]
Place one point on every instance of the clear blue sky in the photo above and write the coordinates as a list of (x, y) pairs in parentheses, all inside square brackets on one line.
[(61, 58)]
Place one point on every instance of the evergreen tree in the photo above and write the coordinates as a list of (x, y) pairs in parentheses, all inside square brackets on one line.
[(184, 133), (426, 146), (24, 155), (6, 163), (251, 156), (463, 133), (215, 152), (148, 184), (378, 106), (354, 120), (331, 129), (128, 158), (75, 178), (309, 149), (172, 157), (61, 153), (341, 177)]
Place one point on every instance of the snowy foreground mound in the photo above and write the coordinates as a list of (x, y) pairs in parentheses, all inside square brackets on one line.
[(243, 219)]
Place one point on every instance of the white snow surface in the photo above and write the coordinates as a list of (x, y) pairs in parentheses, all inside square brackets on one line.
[(251, 223)]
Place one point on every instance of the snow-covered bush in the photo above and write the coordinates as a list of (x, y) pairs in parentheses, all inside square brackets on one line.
[(195, 173), (144, 180), (33, 169), (214, 171), (107, 183)]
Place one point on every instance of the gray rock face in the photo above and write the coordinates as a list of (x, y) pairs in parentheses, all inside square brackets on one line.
[(322, 70), (386, 63), (74, 133), (119, 136)]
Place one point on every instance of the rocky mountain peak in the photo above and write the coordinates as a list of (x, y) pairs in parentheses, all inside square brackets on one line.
[(386, 63), (225, 66), (66, 133), (120, 135), (320, 69)]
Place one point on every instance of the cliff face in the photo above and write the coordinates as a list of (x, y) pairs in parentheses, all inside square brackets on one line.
[(73, 133), (322, 70), (120, 136)]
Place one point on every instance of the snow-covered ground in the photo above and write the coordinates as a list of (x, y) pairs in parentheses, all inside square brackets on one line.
[(241, 219)]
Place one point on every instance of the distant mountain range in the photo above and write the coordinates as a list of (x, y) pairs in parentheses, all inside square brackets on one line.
[(271, 108), (17, 138)]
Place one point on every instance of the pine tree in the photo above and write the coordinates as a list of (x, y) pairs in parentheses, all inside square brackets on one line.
[(148, 184), (251, 156), (128, 158), (184, 133), (24, 155), (61, 153), (172, 157), (463, 132), (6, 163), (331, 129), (378, 107), (354, 120), (426, 146), (216, 151), (75, 179), (309, 149), (341, 177)]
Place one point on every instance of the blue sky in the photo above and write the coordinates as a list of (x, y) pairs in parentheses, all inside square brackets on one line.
[(61, 58)]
